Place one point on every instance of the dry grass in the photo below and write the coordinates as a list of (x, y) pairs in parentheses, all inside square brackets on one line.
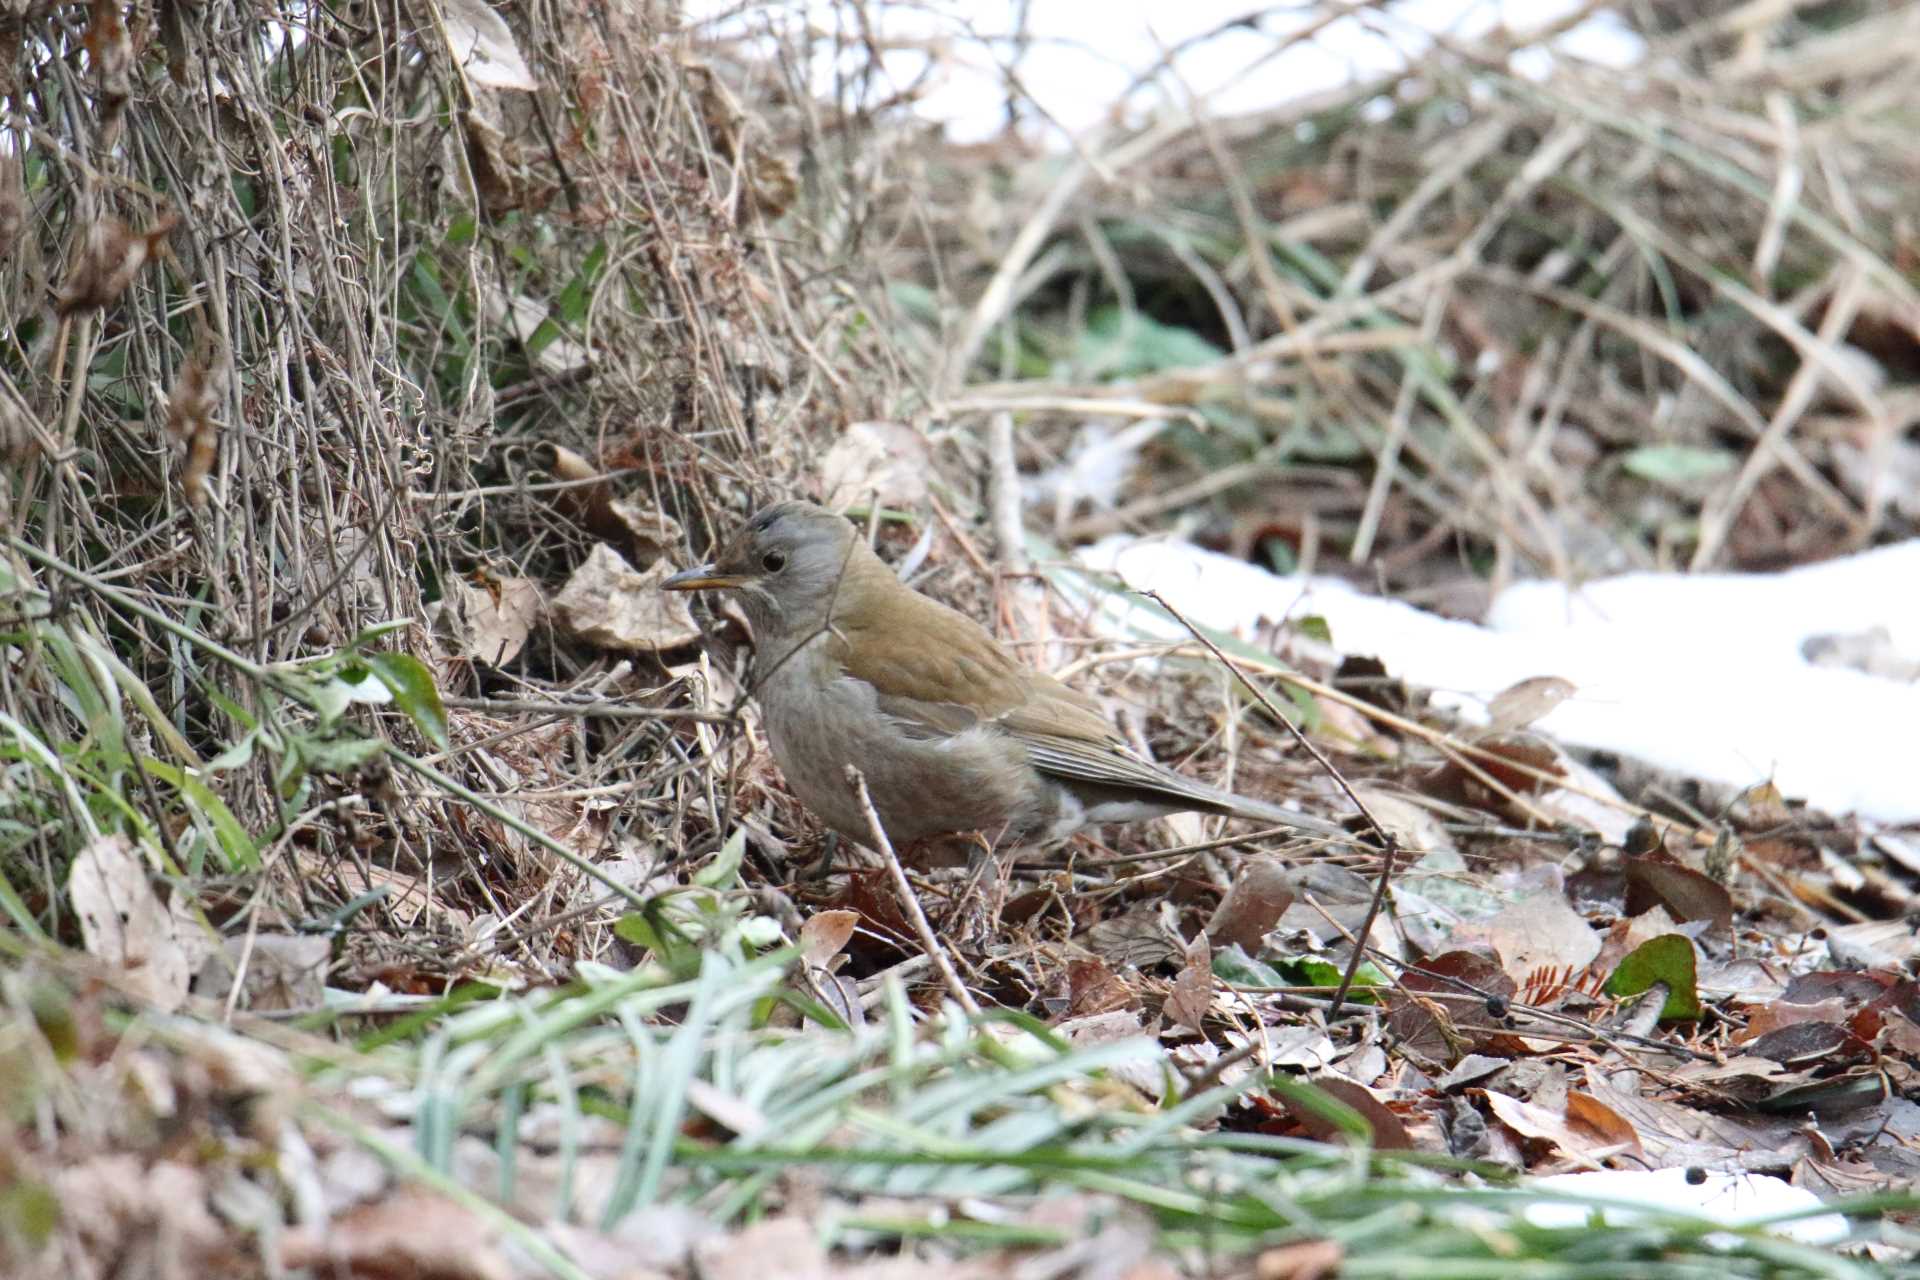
[(321, 346)]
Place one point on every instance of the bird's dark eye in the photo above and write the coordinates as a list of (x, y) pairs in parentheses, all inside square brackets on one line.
[(774, 561)]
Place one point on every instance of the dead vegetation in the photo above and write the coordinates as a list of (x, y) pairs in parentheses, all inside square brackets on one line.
[(363, 368)]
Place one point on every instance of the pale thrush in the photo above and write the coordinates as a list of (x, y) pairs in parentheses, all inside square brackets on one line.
[(950, 730)]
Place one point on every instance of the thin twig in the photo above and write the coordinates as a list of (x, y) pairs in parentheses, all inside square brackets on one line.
[(928, 942), (1389, 846), (1007, 529)]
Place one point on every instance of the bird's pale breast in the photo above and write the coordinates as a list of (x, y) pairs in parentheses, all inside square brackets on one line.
[(819, 720)]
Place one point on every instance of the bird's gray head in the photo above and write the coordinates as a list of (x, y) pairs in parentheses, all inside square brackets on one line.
[(786, 562)]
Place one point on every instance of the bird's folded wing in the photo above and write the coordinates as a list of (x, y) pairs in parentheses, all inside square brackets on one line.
[(934, 671)]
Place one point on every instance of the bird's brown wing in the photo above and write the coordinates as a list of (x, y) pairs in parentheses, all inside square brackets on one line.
[(933, 670), (936, 672), (1067, 738)]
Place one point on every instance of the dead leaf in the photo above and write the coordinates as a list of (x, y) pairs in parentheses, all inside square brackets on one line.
[(1432, 999), (606, 603), (1093, 988), (1657, 879), (1519, 705), (107, 262), (409, 1232), (824, 934), (789, 1247), (191, 409), (1588, 1131), (125, 924), (1252, 906), (279, 971), (1303, 1260), (499, 617), (886, 463), (1542, 933), (1192, 993), (150, 1221), (1388, 1133), (484, 47)]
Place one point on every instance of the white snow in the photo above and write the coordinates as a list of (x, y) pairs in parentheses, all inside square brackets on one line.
[(1732, 1199), (1703, 675), (1081, 72)]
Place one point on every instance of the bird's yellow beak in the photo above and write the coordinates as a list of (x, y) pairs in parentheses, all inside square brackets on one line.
[(705, 577)]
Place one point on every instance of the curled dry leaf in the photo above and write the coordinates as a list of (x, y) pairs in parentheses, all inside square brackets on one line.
[(110, 257), (1587, 1129), (589, 499), (1192, 993), (1389, 1134), (1658, 879), (190, 416), (650, 533), (494, 621), (885, 463), (110, 50), (825, 933), (607, 603), (483, 46)]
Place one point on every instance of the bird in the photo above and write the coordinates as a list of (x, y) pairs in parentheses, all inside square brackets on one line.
[(950, 731)]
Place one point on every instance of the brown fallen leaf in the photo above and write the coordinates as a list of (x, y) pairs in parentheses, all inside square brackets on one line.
[(1192, 993), (607, 604), (1302, 1260), (410, 1232), (1389, 1134), (825, 933), (1253, 904), (1519, 705), (124, 923), (1658, 879), (885, 463)]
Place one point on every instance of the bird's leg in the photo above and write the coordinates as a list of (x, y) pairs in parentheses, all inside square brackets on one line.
[(978, 915), (824, 867)]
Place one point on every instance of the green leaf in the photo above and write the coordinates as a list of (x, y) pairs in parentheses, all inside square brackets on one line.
[(235, 843), (236, 756), (29, 1212), (1678, 466), (637, 929), (1121, 343), (1233, 964), (720, 873), (378, 631), (1668, 958), (1313, 626), (340, 755), (331, 698), (413, 689), (1304, 972)]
